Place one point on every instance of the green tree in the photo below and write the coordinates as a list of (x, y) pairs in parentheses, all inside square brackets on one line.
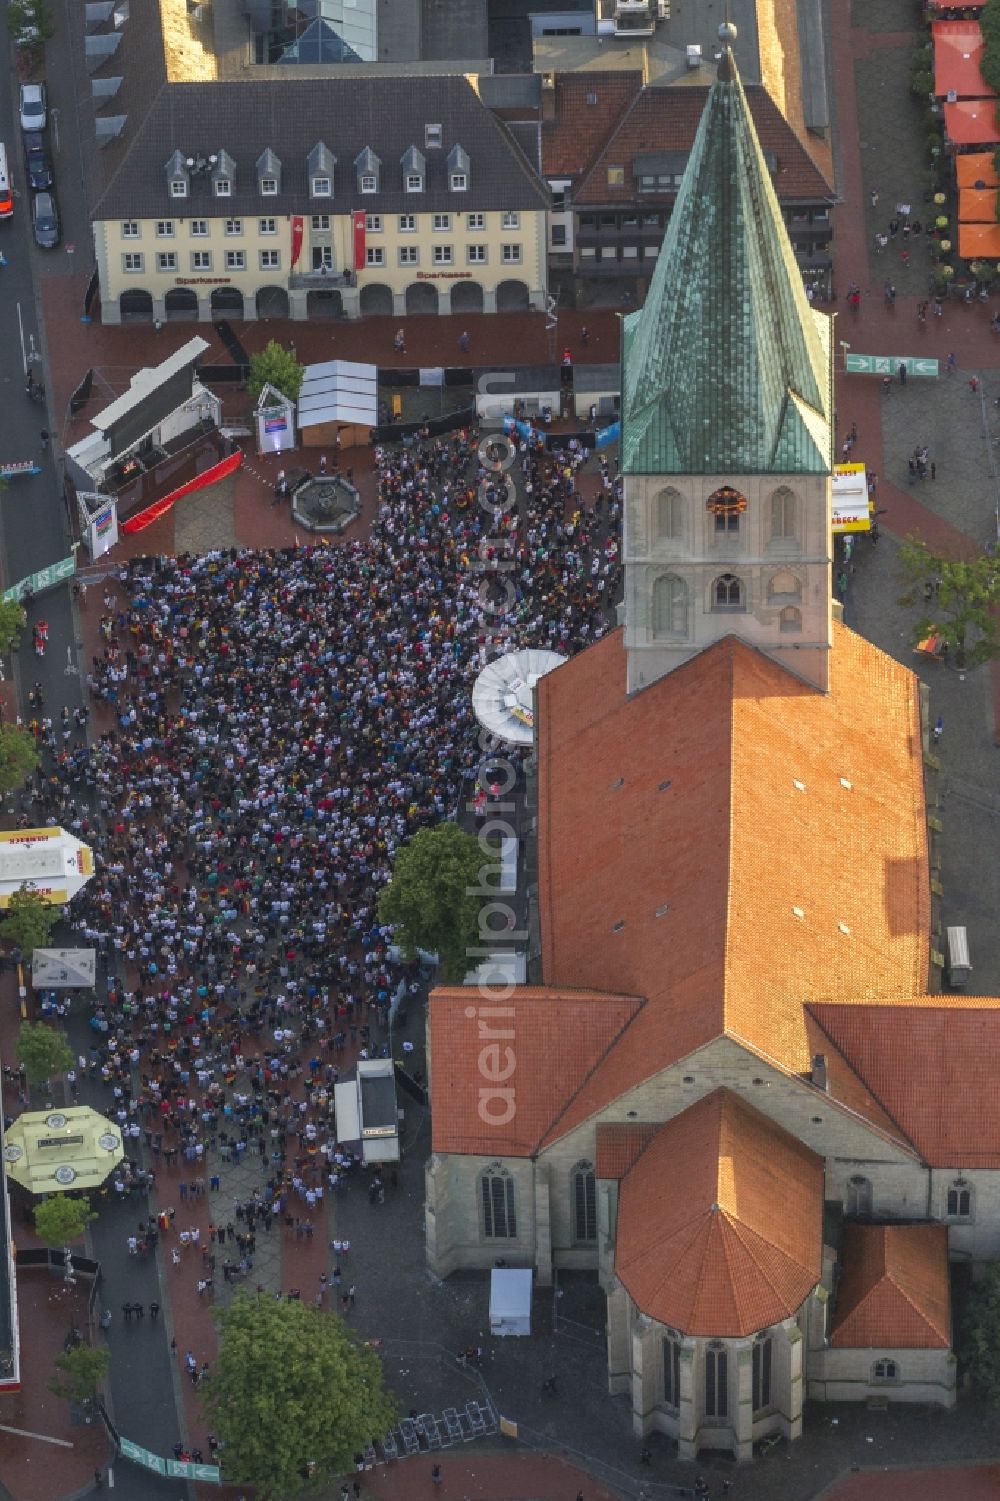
[(43, 1051), (30, 22), (18, 757), (28, 921), (292, 1392), (436, 895), (60, 1220), (275, 366), (81, 1371), (982, 1333), (960, 599), (12, 619)]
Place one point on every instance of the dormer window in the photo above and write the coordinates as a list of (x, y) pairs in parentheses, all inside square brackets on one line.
[(223, 175), (320, 164), (433, 137), (177, 175), (268, 174), (368, 168), (414, 168), (458, 170)]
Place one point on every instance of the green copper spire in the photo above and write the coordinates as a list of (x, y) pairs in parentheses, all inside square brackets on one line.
[(726, 369)]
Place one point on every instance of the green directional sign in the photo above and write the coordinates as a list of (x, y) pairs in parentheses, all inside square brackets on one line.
[(182, 1470), (888, 364), (45, 578), (143, 1456)]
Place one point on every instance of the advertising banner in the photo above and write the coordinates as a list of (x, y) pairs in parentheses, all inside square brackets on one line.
[(359, 219), (298, 231)]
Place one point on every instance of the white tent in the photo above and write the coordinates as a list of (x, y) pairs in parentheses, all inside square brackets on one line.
[(510, 1301), (63, 969), (339, 396)]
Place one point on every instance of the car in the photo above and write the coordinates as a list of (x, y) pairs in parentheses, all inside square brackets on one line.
[(45, 220), (34, 110), (37, 165)]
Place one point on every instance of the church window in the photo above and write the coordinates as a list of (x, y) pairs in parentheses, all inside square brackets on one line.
[(672, 1371), (859, 1196), (790, 620), (727, 506), (960, 1200), (584, 1202), (716, 1381), (783, 517), (728, 593), (670, 514), (670, 606), (784, 586), (499, 1204), (761, 1372), (885, 1370)]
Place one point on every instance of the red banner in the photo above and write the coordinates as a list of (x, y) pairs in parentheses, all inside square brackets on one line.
[(298, 229), (359, 218), (142, 519)]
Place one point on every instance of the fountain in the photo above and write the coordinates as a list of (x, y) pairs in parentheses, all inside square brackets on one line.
[(325, 503)]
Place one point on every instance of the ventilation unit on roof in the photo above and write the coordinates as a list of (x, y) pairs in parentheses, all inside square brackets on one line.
[(952, 96)]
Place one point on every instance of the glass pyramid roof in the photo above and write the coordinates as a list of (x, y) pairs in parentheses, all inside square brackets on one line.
[(726, 368)]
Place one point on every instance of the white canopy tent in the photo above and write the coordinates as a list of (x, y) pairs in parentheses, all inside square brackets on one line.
[(510, 1301), (338, 396)]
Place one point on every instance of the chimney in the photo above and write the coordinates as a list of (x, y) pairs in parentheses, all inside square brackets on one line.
[(548, 96), (819, 1071)]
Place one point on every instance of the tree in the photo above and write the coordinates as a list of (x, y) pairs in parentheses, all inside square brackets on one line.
[(60, 1220), (82, 1369), (28, 922), (275, 366), (961, 601), (436, 894), (982, 1333), (43, 1051), (292, 1392), (30, 22), (18, 757), (12, 621)]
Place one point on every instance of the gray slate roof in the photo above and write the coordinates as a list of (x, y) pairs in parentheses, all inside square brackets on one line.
[(290, 116)]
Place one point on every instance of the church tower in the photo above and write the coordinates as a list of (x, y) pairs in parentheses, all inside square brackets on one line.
[(727, 421)]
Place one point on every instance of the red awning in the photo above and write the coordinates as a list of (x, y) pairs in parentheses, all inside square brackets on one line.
[(975, 168), (977, 206), (972, 122), (958, 47), (979, 242)]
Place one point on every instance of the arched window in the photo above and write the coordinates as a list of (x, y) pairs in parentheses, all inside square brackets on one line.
[(716, 1381), (784, 586), (672, 1371), (783, 515), (885, 1370), (584, 1202), (670, 606), (960, 1200), (761, 1372), (669, 514), (727, 593), (790, 619), (859, 1196), (499, 1204)]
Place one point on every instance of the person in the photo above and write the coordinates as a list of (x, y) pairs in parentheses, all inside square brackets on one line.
[(399, 342), (901, 372), (436, 1474), (322, 463), (951, 364), (938, 729), (43, 435), (464, 342)]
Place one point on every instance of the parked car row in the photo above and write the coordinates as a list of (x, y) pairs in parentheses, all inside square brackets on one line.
[(34, 117)]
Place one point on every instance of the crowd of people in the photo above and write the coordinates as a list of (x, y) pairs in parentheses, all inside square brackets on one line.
[(268, 728)]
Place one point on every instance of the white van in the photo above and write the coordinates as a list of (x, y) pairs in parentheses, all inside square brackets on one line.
[(6, 194)]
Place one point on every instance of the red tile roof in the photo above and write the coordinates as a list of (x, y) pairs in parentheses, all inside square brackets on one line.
[(720, 1222), (579, 129), (667, 119), (654, 810), (501, 1072), (894, 1291), (931, 1064), (958, 52), (619, 1145)]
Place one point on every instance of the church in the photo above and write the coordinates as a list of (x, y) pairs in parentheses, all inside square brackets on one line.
[(736, 1093)]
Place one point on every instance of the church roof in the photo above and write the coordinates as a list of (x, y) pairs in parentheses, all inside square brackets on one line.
[(931, 1063), (730, 844), (726, 368), (894, 1291), (503, 1071), (720, 1222)]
